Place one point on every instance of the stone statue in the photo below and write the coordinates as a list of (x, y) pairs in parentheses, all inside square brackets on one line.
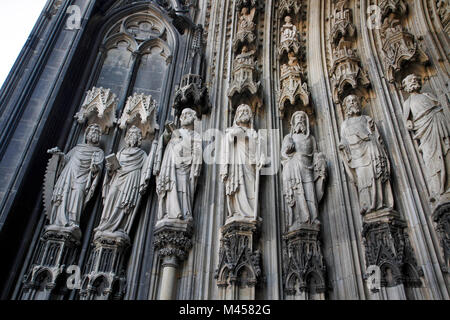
[(288, 30), (425, 117), (180, 168), (245, 57), (304, 173), (77, 181), (365, 158), (242, 162), (246, 23), (124, 180)]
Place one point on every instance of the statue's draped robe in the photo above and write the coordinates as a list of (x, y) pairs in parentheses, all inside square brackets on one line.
[(298, 179), (240, 161), (75, 185), (121, 191), (432, 130), (177, 178), (364, 152)]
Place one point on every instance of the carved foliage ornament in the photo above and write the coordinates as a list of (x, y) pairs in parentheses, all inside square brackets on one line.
[(290, 7)]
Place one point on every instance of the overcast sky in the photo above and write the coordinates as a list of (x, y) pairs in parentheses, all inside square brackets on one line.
[(17, 19)]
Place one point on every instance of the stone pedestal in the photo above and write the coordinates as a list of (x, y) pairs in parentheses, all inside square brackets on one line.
[(441, 216), (388, 253), (57, 250), (104, 277), (239, 269), (173, 242), (304, 269)]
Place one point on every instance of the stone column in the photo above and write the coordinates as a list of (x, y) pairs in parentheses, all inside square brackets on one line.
[(172, 242)]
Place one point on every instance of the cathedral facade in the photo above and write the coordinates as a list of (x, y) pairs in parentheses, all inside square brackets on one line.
[(228, 149)]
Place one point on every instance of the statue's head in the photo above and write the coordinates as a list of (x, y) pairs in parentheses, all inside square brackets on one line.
[(300, 123), (188, 117), (244, 49), (244, 11), (352, 104), (244, 115), (288, 19), (93, 134), (412, 83), (134, 137)]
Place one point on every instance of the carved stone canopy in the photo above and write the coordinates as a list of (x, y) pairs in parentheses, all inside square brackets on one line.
[(396, 7), (400, 47), (244, 74), (343, 27), (290, 7), (346, 72), (292, 88), (245, 3), (99, 107), (140, 111), (192, 94)]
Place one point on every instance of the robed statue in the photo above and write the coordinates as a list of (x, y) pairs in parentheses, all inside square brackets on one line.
[(242, 162), (424, 116), (365, 158), (126, 177), (304, 173), (178, 172), (77, 175)]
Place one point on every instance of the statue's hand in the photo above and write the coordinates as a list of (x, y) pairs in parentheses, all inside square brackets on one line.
[(409, 125), (341, 146), (94, 168), (55, 151), (290, 148), (143, 188)]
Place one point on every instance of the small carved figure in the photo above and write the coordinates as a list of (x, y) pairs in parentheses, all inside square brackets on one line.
[(288, 30)]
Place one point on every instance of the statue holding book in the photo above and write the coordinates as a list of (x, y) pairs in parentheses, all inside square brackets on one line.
[(125, 178)]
